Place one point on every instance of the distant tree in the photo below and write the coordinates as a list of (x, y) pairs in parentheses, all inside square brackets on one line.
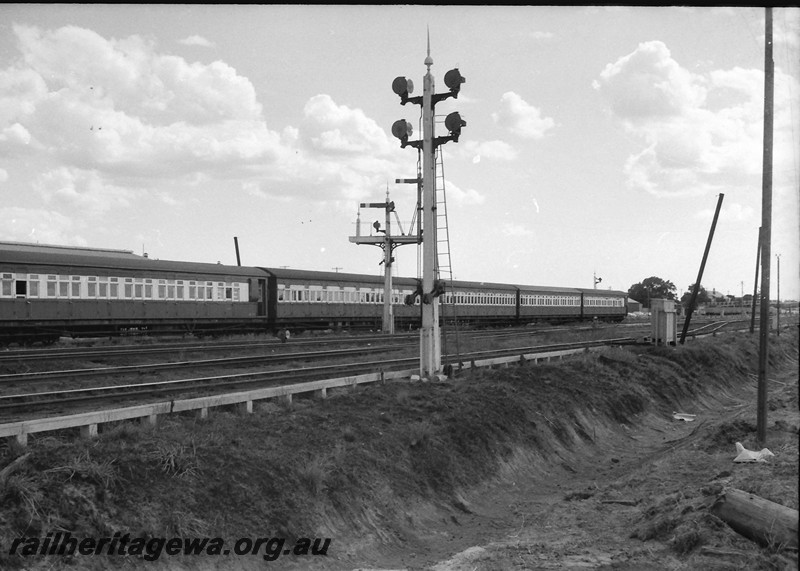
[(702, 296), (652, 288)]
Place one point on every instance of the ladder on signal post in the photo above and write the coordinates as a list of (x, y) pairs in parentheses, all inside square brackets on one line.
[(444, 267)]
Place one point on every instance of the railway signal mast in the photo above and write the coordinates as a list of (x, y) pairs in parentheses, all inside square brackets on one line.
[(430, 342), (388, 243)]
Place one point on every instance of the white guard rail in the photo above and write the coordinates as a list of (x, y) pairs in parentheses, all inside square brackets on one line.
[(89, 421)]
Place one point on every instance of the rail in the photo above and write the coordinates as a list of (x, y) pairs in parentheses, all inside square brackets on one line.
[(88, 422)]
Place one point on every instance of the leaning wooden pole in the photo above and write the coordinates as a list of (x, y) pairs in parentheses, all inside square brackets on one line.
[(766, 225), (755, 286), (696, 288)]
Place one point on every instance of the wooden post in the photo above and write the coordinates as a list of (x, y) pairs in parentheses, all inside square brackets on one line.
[(766, 243), (89, 431), (696, 289), (763, 521)]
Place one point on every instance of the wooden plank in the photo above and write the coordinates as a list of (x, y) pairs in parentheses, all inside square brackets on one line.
[(77, 420)]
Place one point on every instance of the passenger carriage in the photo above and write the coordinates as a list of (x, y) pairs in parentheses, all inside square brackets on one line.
[(49, 291), (308, 299)]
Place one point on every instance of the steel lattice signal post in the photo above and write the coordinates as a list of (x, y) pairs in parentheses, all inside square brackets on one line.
[(430, 341)]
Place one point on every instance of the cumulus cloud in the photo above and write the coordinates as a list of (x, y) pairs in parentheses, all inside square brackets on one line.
[(104, 112), (83, 190), (38, 225), (338, 130), (699, 132), (120, 105), (492, 150), (648, 83), (521, 118), (514, 230), (196, 40), (459, 196)]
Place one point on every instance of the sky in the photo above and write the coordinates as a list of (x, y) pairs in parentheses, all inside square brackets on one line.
[(597, 139)]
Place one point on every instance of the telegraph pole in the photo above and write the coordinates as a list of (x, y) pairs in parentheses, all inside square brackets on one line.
[(766, 243), (430, 340)]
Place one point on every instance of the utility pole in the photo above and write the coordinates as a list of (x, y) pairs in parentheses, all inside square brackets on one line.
[(430, 340), (766, 242)]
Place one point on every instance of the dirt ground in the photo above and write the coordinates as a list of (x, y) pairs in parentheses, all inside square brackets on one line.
[(595, 510), (571, 465), (635, 498)]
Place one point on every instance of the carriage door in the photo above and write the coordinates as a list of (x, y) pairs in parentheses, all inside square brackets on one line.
[(262, 297)]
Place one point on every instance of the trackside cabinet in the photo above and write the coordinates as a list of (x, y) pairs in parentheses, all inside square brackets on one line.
[(663, 322)]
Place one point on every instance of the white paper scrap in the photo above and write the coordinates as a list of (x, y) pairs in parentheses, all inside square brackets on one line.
[(745, 455)]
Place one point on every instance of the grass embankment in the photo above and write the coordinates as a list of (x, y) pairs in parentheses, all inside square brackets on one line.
[(362, 467)]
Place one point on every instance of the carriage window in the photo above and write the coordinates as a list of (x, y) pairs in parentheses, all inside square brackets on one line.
[(63, 286), (6, 285), (51, 286), (22, 288), (76, 286), (33, 285), (91, 287)]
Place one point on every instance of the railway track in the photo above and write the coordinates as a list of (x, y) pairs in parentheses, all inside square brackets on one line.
[(34, 401), (47, 400), (147, 350), (38, 400), (271, 358), (84, 352)]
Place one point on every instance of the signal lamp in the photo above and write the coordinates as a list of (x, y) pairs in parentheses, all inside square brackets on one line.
[(453, 123), (402, 129), (453, 80), (402, 86)]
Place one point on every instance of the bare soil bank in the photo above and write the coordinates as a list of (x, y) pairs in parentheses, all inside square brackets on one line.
[(570, 465)]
